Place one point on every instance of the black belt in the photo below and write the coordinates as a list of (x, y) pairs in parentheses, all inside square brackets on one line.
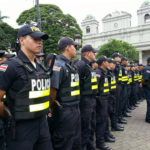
[(71, 108)]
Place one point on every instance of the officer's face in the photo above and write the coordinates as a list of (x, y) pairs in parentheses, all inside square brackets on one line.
[(92, 55), (40, 59), (118, 59), (105, 63), (95, 65), (112, 66), (2, 59), (31, 44), (72, 51)]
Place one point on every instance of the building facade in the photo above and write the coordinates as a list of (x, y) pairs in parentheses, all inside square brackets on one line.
[(117, 25)]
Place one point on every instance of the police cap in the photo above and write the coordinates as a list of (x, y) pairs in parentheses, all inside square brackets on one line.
[(32, 31), (116, 55), (40, 55), (111, 60), (124, 58), (2, 53), (101, 59), (50, 56), (8, 55), (88, 48), (65, 41), (148, 59)]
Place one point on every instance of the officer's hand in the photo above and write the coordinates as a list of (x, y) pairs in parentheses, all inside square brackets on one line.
[(140, 85), (50, 113)]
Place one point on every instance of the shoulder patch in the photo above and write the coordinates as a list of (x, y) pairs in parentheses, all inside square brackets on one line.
[(98, 75), (148, 71), (56, 68), (3, 67)]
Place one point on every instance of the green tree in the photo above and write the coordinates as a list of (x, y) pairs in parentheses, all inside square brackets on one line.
[(2, 17), (54, 23), (8, 36), (122, 47)]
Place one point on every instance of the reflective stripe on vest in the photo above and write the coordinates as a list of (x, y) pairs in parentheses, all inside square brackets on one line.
[(39, 107), (36, 94), (74, 84), (113, 87), (125, 78), (77, 92)]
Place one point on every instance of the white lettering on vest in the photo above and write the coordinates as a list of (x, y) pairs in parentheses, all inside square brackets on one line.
[(74, 77), (106, 80), (40, 84), (93, 74)]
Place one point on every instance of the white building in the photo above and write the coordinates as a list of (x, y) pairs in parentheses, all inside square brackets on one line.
[(117, 25)]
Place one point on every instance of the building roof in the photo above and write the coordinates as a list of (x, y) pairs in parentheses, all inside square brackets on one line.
[(89, 16), (146, 2)]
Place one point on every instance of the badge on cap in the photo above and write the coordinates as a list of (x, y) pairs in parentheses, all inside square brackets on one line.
[(34, 29)]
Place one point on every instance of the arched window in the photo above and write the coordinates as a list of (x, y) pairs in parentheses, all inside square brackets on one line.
[(147, 18), (87, 29)]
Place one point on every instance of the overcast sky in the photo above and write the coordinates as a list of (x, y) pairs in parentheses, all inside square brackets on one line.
[(77, 8)]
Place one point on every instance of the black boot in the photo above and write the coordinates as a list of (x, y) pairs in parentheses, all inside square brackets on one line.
[(109, 139), (117, 129), (103, 147)]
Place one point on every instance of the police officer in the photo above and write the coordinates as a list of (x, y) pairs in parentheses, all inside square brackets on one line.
[(128, 109), (27, 87), (122, 110), (65, 89), (118, 75), (2, 136), (49, 59), (146, 87), (7, 56), (40, 57), (133, 97), (89, 89), (102, 102), (75, 60), (141, 68), (112, 97), (94, 64)]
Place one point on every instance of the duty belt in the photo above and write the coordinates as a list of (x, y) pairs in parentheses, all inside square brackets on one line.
[(71, 108)]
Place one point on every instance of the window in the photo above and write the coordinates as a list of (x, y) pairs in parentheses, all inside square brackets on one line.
[(87, 29), (147, 18)]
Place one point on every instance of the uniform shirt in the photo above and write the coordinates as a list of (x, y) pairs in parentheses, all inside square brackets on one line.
[(146, 72), (14, 76), (100, 73), (60, 74), (82, 69)]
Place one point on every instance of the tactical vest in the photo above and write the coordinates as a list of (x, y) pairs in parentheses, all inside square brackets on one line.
[(32, 101), (133, 77), (103, 87), (69, 89), (119, 74), (112, 82), (129, 78), (140, 76), (124, 76), (89, 84)]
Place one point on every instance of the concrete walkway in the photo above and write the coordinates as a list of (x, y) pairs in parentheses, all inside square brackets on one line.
[(136, 135)]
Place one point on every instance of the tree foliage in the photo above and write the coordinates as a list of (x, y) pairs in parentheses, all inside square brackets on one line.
[(8, 36), (2, 17), (122, 47), (54, 23)]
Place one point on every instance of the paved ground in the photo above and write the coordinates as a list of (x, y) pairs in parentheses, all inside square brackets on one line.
[(136, 135)]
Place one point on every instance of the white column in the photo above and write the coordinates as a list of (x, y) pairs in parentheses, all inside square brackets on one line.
[(140, 57)]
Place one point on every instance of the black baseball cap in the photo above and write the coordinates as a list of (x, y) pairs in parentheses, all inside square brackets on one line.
[(65, 41), (111, 60), (148, 59), (75, 60), (8, 55), (40, 55), (2, 52), (33, 31), (50, 56), (101, 59), (124, 58), (88, 48), (131, 62), (116, 55)]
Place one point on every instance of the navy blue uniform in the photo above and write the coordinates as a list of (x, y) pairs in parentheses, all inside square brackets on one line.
[(30, 134), (87, 108), (67, 133), (101, 109), (146, 76), (118, 75)]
